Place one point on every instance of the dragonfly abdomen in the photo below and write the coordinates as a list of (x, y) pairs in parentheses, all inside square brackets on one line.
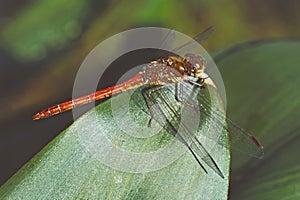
[(134, 82)]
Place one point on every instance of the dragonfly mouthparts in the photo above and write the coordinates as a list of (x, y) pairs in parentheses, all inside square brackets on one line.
[(207, 80)]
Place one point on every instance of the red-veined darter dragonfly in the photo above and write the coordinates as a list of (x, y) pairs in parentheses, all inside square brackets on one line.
[(179, 72)]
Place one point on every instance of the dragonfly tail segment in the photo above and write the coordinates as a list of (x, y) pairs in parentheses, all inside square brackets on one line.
[(132, 83)]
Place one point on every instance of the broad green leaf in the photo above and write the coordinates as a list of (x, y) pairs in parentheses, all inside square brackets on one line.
[(276, 178), (96, 157), (262, 84)]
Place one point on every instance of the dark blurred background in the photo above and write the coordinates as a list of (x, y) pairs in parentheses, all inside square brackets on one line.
[(43, 43)]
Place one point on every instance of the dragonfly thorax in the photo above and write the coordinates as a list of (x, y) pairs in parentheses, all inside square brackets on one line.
[(191, 65), (175, 69)]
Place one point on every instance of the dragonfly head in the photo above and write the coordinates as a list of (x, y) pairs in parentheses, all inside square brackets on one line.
[(196, 65)]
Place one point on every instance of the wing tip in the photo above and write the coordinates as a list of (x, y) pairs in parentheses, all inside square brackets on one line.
[(258, 144)]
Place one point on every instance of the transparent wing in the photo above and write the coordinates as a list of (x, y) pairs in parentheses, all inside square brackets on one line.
[(170, 37), (199, 38), (167, 112), (239, 138), (183, 131)]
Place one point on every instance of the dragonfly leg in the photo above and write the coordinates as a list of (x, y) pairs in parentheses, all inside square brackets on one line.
[(178, 92), (147, 95), (148, 104)]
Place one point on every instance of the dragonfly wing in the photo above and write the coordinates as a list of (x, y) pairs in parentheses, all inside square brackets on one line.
[(239, 139), (200, 151), (182, 132), (199, 38), (168, 40), (170, 37), (170, 127), (205, 34)]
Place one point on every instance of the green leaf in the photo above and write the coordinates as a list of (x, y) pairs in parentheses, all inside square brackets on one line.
[(81, 162), (262, 83)]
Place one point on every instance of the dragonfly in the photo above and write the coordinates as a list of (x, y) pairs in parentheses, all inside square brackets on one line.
[(181, 74)]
